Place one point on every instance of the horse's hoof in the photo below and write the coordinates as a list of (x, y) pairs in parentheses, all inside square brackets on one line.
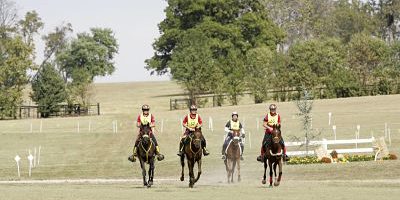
[(264, 182), (270, 186), (190, 185), (182, 178), (145, 184), (150, 183), (276, 184), (148, 186)]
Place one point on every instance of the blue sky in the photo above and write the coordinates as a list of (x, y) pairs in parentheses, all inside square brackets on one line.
[(134, 23)]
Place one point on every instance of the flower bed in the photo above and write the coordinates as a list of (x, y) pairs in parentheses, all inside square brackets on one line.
[(296, 160)]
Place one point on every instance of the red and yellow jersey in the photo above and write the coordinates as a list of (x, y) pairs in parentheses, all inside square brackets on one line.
[(146, 120), (272, 120), (192, 121)]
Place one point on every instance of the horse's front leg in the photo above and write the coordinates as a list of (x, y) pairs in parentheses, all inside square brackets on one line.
[(198, 170), (143, 166), (151, 172), (238, 168), (191, 173), (280, 173), (276, 179), (265, 171), (183, 167), (270, 172)]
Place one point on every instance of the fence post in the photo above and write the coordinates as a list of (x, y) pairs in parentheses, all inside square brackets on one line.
[(324, 144), (98, 108)]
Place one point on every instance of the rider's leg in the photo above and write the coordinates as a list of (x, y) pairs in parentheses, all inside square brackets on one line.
[(204, 146), (132, 158), (242, 147), (159, 155), (285, 156), (262, 153), (224, 147), (182, 144)]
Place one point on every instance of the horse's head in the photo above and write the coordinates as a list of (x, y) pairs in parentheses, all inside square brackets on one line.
[(145, 133), (196, 137), (236, 136), (276, 134)]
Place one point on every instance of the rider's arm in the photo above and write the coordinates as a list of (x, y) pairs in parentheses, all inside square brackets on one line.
[(200, 122), (153, 121), (138, 122), (242, 132)]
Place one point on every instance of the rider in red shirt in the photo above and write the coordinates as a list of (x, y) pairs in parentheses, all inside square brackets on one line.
[(146, 119), (272, 118), (190, 122)]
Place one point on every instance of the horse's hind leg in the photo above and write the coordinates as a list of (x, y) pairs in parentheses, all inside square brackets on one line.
[(142, 165), (183, 167), (233, 170), (276, 179)]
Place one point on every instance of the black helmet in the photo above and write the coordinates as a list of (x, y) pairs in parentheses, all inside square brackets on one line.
[(145, 107)]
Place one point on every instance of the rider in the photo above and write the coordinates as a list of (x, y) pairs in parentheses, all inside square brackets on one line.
[(190, 122), (272, 118), (146, 119), (233, 125)]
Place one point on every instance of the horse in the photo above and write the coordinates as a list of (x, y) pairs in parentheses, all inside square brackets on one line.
[(193, 154), (146, 153), (233, 152), (274, 156)]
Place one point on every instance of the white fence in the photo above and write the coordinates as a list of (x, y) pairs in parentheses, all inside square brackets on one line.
[(324, 143)]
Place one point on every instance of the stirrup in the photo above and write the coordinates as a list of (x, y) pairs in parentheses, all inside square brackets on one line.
[(260, 158), (241, 157), (132, 158), (180, 153), (223, 157), (160, 157), (205, 152)]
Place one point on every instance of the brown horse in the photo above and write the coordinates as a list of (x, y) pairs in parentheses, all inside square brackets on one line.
[(193, 154), (146, 153), (274, 156), (233, 152)]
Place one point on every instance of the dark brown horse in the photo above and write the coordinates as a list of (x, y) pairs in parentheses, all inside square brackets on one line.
[(193, 154), (233, 152), (146, 154), (274, 156)]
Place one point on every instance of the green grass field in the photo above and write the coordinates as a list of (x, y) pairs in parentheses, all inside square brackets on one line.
[(100, 153)]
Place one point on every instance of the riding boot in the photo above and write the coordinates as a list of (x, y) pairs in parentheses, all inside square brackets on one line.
[(181, 146), (260, 158), (132, 158), (241, 155), (224, 149), (285, 156), (205, 151), (160, 157)]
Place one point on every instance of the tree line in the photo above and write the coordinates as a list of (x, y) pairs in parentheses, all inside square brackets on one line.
[(351, 48), (70, 63)]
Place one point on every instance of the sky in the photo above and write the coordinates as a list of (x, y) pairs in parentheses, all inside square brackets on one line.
[(134, 23)]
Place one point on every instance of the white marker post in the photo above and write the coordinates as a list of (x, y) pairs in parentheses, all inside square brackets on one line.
[(116, 126), (386, 130), (250, 139), (41, 126), (258, 124), (390, 139), (17, 159), (90, 125), (78, 127), (30, 158), (31, 128), (357, 135), (34, 158), (210, 122), (330, 118), (38, 159), (334, 130), (162, 125)]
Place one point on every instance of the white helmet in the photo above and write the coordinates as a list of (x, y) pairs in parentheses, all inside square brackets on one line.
[(235, 113)]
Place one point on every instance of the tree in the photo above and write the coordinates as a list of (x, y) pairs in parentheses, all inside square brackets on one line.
[(8, 18), (15, 60), (259, 72), (30, 26), (48, 90), (366, 54), (88, 56)]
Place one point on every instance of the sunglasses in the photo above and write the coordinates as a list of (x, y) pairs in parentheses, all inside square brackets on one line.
[(145, 109)]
